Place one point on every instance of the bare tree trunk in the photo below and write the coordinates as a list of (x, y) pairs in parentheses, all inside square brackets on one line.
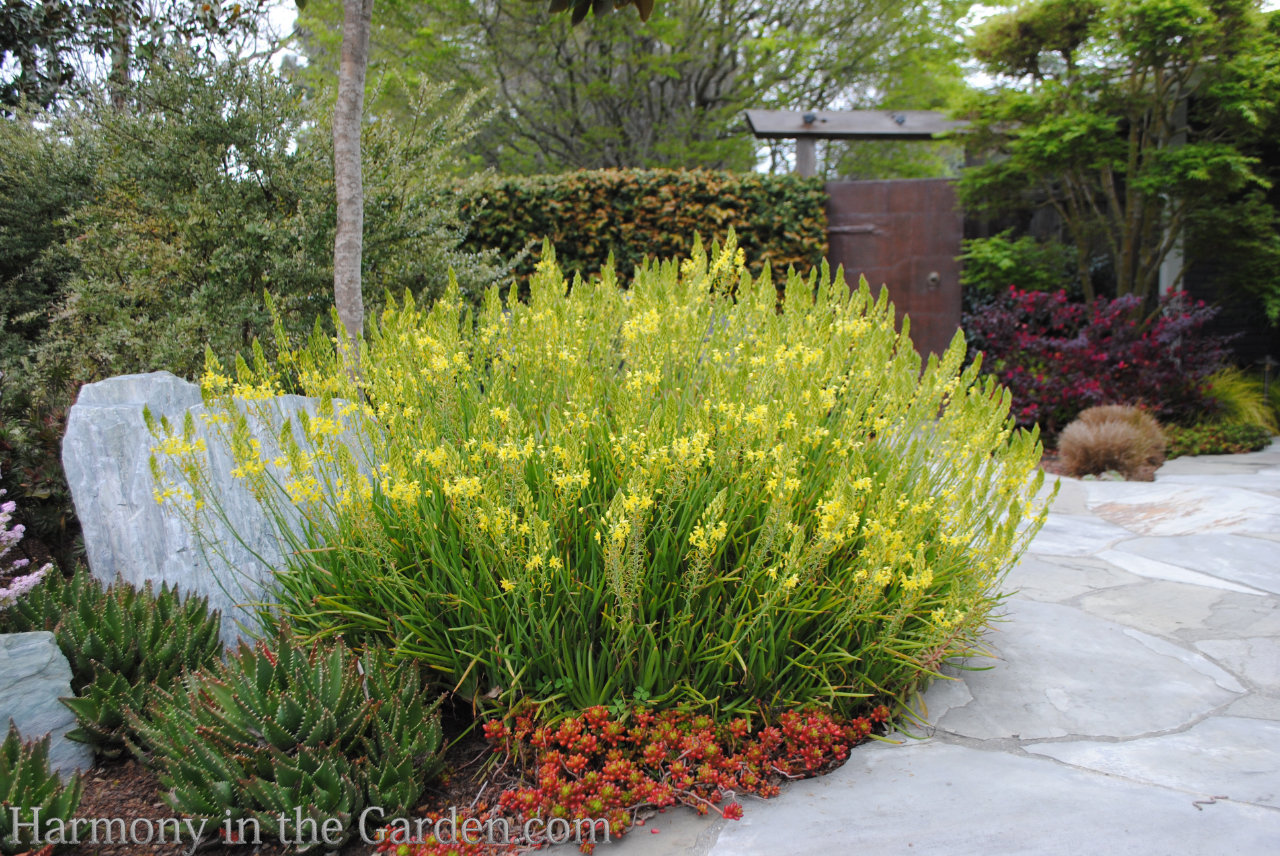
[(121, 54), (348, 181)]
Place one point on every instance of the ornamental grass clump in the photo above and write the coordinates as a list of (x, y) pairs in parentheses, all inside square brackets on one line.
[(685, 493), (1112, 437)]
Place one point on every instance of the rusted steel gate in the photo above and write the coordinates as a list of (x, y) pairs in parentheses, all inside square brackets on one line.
[(902, 234)]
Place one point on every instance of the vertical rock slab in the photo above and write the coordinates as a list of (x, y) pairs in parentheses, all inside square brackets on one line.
[(106, 454), (34, 675)]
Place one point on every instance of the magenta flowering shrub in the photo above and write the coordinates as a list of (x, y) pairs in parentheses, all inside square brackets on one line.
[(1060, 357), (15, 577)]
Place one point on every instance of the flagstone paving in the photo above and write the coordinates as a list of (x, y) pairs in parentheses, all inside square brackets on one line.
[(1133, 707)]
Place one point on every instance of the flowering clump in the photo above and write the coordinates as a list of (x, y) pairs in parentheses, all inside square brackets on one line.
[(619, 769), (15, 577), (1059, 357), (680, 494)]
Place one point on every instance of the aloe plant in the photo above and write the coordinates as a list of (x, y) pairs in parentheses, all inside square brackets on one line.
[(122, 642), (27, 783), (283, 730)]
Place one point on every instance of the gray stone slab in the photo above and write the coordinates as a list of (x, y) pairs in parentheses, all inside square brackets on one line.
[(1064, 672), (1255, 660), (1076, 535), (1237, 616), (1071, 499), (1256, 706), (1224, 756), (1059, 578), (1208, 465), (106, 455), (34, 675), (1265, 481), (934, 798), (1252, 562), (1153, 569), (1161, 608), (1183, 509), (678, 831)]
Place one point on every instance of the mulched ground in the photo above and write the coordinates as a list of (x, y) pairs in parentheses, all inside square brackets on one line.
[(1050, 464)]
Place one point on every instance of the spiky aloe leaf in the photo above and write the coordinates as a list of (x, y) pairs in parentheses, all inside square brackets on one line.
[(27, 782), (122, 644), (101, 712), (284, 727)]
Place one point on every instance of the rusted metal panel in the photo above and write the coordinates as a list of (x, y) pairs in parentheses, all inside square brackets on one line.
[(850, 124), (903, 235)]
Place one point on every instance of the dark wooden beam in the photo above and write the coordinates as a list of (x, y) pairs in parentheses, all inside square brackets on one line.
[(850, 124)]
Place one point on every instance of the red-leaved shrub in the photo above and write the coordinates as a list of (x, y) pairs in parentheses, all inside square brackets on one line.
[(1059, 357)]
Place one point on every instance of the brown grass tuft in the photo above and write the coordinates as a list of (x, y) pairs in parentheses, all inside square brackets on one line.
[(1112, 437)]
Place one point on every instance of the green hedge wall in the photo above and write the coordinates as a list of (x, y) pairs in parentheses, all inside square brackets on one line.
[(779, 219)]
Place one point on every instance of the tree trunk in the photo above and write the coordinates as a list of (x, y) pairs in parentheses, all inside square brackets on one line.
[(121, 54), (348, 181)]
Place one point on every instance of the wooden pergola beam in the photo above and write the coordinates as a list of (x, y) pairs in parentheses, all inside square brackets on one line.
[(850, 124)]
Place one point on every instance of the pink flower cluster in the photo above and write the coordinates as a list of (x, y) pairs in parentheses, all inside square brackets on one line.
[(15, 579)]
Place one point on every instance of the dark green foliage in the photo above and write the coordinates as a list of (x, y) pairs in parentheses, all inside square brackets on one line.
[(123, 644), (633, 214), (668, 93), (130, 241), (281, 727), (32, 422), (219, 187), (580, 8), (1130, 120), (27, 783), (42, 179), (993, 264), (45, 44), (1215, 438)]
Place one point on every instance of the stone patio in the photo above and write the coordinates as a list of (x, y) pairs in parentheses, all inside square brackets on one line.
[(1133, 705)]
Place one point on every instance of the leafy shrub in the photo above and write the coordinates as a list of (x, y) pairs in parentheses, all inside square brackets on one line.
[(1058, 357), (995, 263), (281, 731), (1216, 438), (1241, 399), (672, 494), (640, 214), (219, 186), (123, 643), (28, 784), (1112, 437), (132, 239), (33, 419)]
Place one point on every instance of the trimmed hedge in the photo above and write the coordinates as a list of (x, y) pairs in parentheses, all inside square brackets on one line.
[(780, 219)]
